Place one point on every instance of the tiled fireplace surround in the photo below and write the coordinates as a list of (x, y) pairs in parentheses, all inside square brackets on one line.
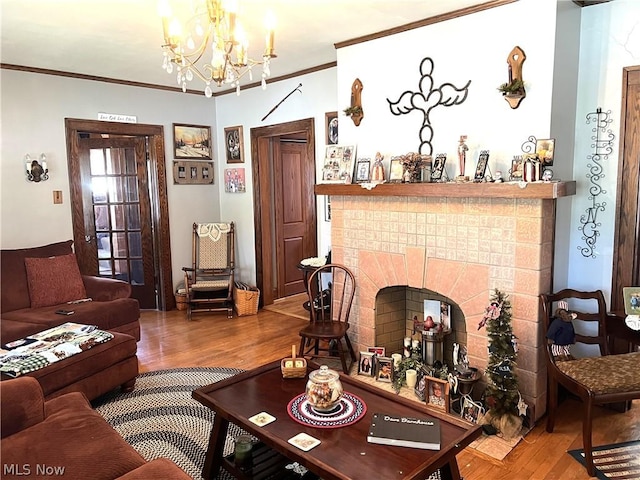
[(461, 249)]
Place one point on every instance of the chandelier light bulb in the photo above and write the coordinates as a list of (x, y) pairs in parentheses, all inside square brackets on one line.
[(199, 29), (190, 43)]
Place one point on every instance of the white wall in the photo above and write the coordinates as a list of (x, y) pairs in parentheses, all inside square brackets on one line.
[(318, 96), (34, 107), (473, 47), (610, 40)]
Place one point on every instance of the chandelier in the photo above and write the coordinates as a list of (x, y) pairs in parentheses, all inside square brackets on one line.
[(214, 23)]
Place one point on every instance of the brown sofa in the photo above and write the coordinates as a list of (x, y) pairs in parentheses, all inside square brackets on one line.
[(111, 309), (95, 371), (65, 437)]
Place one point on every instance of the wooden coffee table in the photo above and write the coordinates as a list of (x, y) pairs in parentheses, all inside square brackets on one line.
[(344, 452)]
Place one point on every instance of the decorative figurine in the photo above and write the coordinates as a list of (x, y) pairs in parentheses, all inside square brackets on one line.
[(377, 172), (462, 157)]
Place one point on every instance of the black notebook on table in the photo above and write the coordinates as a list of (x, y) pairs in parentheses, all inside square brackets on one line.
[(422, 432)]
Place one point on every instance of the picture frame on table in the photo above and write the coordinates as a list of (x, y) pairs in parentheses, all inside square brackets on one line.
[(384, 369), (338, 164), (192, 142), (545, 149), (481, 167), (420, 389), (363, 170), (631, 300), (395, 170), (437, 395), (367, 364), (234, 144), (379, 351), (331, 127), (471, 410)]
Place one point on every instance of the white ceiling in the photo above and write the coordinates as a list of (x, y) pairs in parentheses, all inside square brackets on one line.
[(122, 39)]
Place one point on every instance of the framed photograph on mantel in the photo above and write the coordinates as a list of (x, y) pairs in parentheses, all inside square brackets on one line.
[(234, 144), (191, 142), (338, 164), (481, 168)]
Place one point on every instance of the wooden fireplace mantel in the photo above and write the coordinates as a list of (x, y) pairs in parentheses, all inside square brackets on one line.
[(540, 190)]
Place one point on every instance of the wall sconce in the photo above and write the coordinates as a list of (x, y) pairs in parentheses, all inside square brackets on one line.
[(36, 172)]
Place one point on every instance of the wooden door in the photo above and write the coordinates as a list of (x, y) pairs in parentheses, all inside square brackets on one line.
[(117, 214), (284, 205), (294, 205), (119, 206), (626, 255)]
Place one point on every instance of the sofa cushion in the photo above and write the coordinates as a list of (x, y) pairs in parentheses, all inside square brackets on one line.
[(15, 290), (54, 280), (114, 316)]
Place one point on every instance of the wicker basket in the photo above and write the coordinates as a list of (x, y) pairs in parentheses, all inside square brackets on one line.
[(293, 367), (246, 301), (181, 300)]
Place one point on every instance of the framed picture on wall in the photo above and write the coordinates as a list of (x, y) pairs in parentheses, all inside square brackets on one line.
[(191, 141), (331, 127), (234, 144), (234, 180), (192, 173)]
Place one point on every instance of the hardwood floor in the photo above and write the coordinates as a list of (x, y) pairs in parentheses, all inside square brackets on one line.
[(169, 341)]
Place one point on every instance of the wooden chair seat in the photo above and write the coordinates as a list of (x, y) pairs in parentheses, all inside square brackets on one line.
[(605, 375)]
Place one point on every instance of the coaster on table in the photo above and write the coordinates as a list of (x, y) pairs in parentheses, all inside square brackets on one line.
[(304, 442), (261, 419)]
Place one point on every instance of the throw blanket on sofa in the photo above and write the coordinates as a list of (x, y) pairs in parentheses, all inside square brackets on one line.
[(49, 346)]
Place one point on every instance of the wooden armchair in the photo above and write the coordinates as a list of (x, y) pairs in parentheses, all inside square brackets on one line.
[(595, 380)]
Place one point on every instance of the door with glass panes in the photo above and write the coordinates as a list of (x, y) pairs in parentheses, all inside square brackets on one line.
[(117, 214)]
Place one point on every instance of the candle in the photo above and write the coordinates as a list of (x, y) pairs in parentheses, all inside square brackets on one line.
[(242, 453), (396, 359), (412, 377), (415, 344), (407, 341)]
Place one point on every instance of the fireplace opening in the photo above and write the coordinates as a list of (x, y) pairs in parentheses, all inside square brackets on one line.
[(395, 310)]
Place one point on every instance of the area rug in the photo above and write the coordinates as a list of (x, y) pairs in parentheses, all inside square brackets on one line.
[(618, 461), (160, 419)]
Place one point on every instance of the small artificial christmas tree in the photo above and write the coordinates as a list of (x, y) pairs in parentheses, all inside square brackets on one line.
[(502, 395)]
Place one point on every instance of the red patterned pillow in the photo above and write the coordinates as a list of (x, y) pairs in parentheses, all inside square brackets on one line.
[(54, 280)]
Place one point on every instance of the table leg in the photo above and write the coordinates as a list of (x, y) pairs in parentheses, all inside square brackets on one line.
[(450, 471), (214, 456)]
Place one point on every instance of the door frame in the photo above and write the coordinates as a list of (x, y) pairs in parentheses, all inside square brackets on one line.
[(157, 184), (263, 216), (626, 257)]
